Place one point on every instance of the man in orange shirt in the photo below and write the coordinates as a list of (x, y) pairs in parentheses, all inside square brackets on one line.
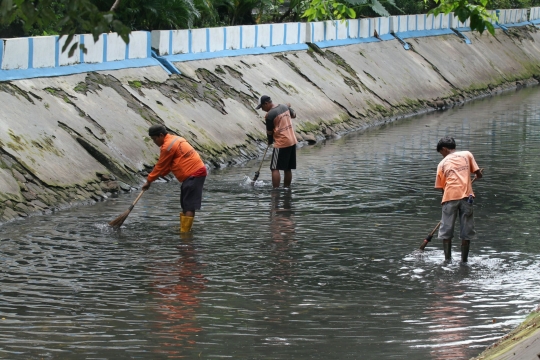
[(453, 178), (178, 157), (280, 132)]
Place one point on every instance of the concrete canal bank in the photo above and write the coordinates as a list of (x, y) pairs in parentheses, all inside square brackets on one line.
[(521, 343), (66, 139)]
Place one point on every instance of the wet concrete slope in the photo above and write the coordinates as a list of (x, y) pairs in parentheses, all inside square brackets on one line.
[(81, 138)]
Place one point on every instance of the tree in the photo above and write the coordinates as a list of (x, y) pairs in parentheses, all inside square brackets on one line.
[(465, 9), (475, 10), (68, 18)]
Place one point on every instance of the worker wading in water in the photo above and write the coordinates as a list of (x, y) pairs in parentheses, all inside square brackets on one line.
[(178, 157), (453, 178), (280, 132)]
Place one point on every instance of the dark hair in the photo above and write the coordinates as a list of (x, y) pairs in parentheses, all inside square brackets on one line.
[(447, 142), (156, 130)]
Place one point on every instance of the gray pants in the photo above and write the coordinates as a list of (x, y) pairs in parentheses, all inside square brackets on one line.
[(450, 211)]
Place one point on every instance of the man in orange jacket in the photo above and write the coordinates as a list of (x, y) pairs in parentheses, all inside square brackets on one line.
[(178, 157)]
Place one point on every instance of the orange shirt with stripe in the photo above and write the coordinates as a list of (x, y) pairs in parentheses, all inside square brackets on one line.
[(278, 120), (178, 157), (454, 175)]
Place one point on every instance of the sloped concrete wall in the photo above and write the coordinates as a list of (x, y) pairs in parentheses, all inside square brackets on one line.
[(82, 137)]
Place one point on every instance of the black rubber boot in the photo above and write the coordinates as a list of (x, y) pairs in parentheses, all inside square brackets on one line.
[(465, 250), (447, 246)]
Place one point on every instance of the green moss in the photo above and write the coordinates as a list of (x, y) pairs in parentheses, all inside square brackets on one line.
[(81, 87), (46, 105), (308, 127), (135, 84), (376, 108)]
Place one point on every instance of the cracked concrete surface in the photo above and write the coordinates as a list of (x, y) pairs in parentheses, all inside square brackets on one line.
[(83, 137)]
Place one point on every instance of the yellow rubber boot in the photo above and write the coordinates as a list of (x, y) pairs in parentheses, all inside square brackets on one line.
[(186, 222)]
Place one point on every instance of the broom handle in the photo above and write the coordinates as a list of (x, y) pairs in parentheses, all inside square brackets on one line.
[(435, 229), (137, 199), (260, 166)]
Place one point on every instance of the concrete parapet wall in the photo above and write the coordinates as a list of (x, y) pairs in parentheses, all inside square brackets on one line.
[(45, 52), (512, 16), (534, 13)]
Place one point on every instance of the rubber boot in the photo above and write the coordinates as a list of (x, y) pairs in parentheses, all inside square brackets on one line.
[(465, 250), (181, 216), (447, 246), (186, 222)]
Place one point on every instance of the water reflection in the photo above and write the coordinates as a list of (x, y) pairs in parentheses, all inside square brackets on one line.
[(326, 270), (177, 285), (449, 322)]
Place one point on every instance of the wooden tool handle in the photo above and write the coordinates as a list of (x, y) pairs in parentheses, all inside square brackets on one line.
[(137, 199)]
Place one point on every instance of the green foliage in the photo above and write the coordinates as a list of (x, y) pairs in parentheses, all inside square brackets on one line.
[(68, 17), (328, 10), (319, 10), (463, 9), (153, 14)]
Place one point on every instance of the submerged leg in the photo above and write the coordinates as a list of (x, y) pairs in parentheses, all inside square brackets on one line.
[(447, 246), (287, 178), (276, 178), (465, 250)]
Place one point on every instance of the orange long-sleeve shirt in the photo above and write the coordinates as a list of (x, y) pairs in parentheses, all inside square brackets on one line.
[(178, 157)]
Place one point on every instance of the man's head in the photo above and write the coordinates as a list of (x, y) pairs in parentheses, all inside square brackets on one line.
[(446, 145), (265, 103), (157, 133)]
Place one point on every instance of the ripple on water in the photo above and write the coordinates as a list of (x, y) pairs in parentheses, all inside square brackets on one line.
[(327, 269)]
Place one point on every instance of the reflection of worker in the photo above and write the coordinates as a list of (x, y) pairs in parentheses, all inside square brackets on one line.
[(280, 133), (283, 231), (178, 157), (177, 286), (449, 325), (453, 178)]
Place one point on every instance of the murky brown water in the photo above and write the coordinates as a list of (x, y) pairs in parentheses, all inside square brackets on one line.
[(325, 271)]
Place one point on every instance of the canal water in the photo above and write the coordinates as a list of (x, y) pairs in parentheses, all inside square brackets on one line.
[(326, 270)]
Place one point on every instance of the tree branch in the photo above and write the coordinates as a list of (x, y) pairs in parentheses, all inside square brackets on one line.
[(115, 5)]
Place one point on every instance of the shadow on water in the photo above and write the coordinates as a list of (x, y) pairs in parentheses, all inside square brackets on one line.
[(325, 270)]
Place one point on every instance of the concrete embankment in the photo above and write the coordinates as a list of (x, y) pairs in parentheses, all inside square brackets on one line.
[(82, 137), (522, 343)]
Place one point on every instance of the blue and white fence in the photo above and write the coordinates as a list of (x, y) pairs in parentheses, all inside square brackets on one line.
[(534, 15), (42, 56), (512, 17), (226, 41)]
